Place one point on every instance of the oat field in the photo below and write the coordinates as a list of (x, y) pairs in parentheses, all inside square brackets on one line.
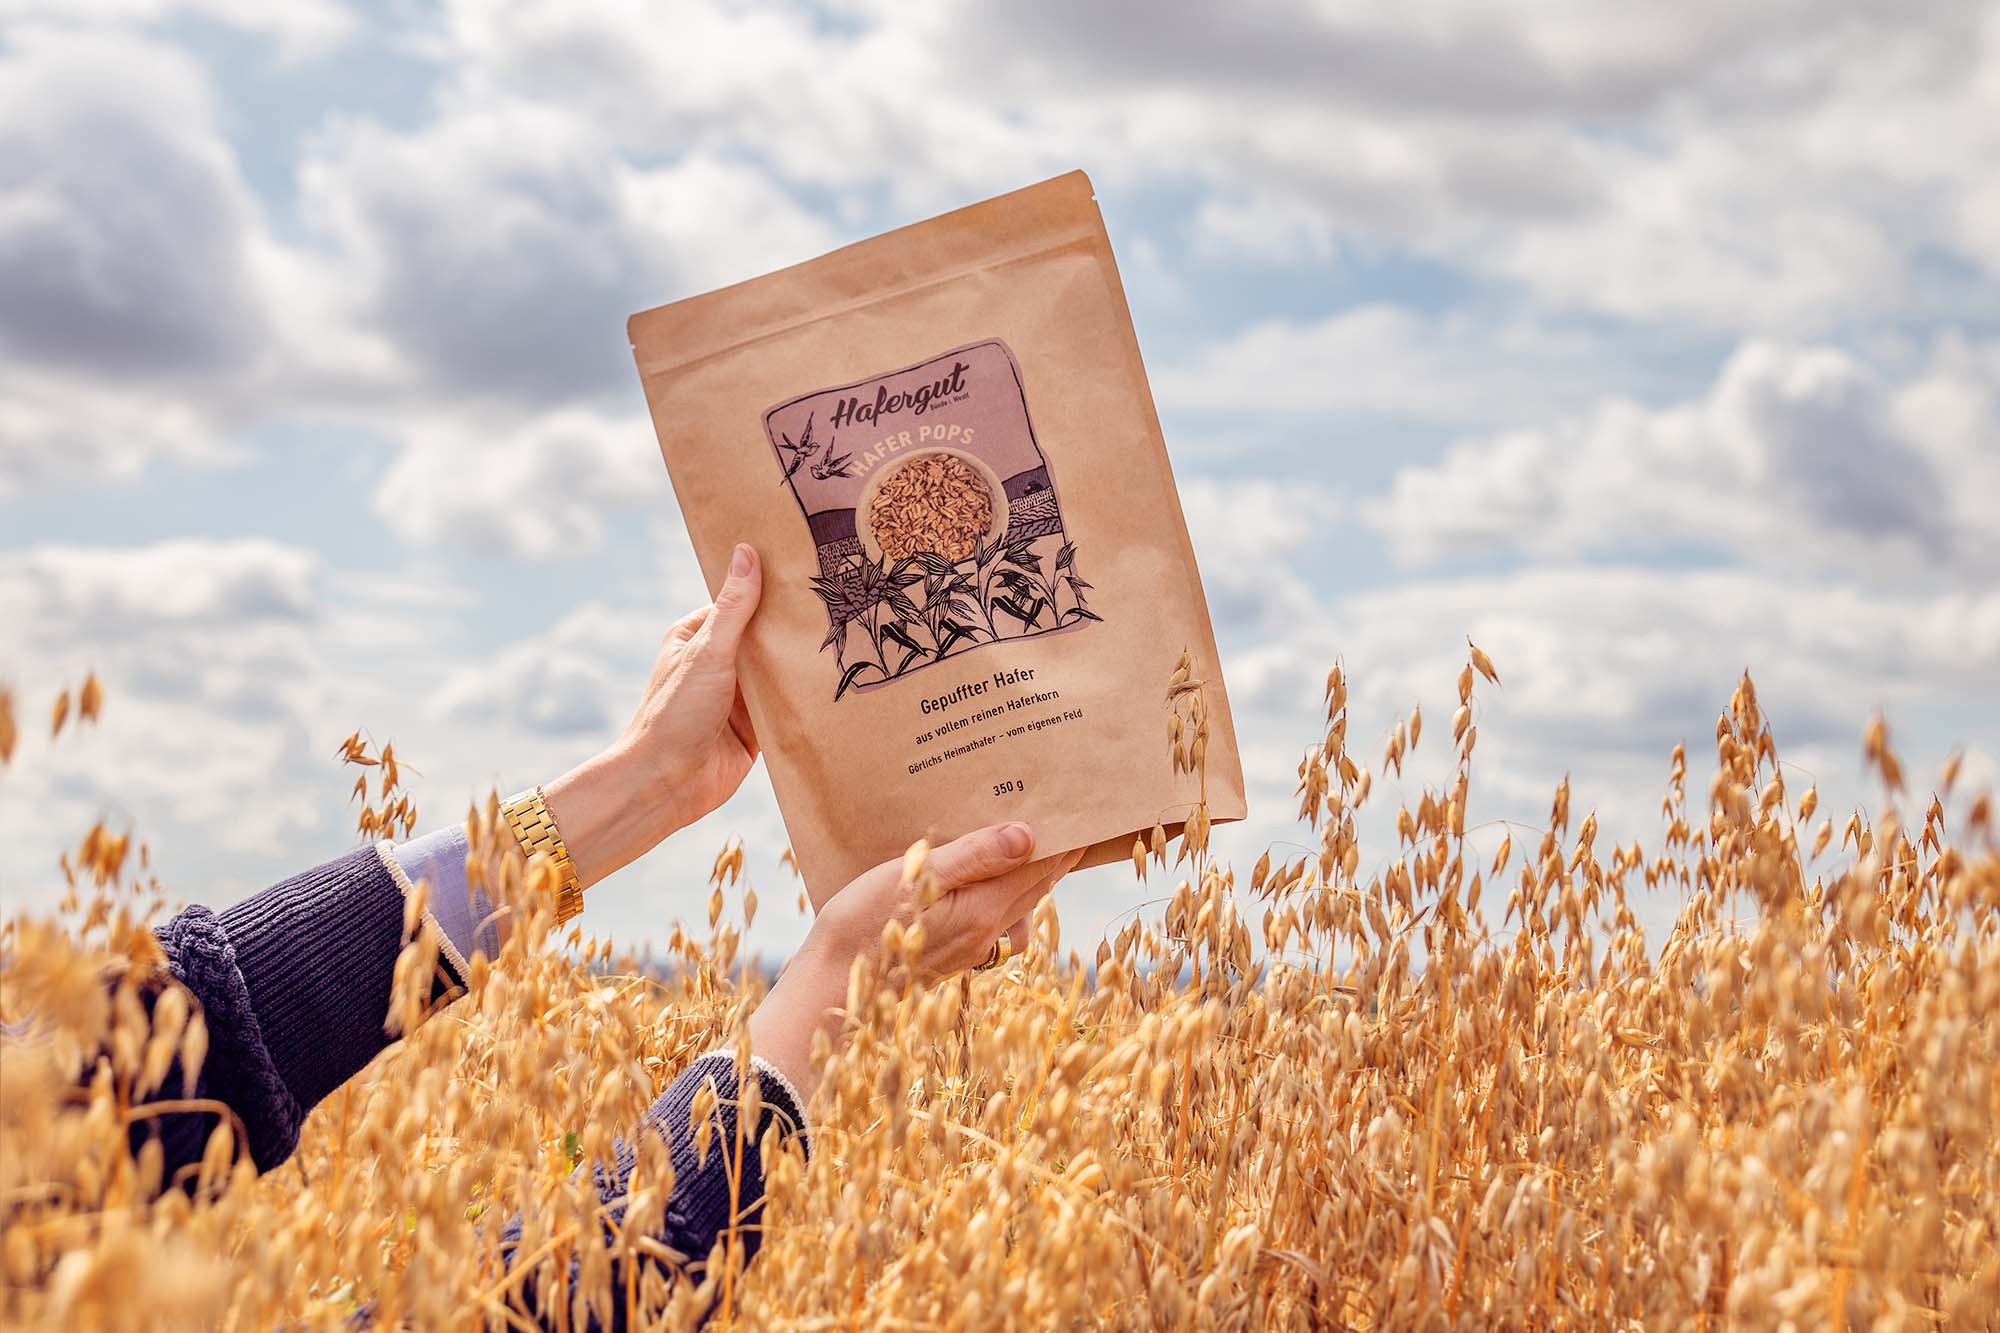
[(1402, 1085)]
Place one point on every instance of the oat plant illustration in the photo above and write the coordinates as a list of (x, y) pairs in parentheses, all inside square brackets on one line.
[(1012, 582), (1001, 590), (937, 529)]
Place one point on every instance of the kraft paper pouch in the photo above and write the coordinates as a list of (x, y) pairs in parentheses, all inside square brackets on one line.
[(977, 578)]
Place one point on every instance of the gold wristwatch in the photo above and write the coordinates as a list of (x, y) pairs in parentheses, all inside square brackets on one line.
[(535, 829)]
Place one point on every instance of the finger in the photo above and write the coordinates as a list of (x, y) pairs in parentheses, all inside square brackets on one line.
[(982, 854), (736, 602), (960, 929), (677, 637), (1024, 903), (686, 627), (1022, 929), (1017, 895), (969, 920), (739, 722)]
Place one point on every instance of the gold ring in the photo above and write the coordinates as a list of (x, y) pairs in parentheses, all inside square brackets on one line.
[(1003, 949)]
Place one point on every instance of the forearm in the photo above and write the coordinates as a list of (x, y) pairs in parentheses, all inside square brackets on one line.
[(610, 813), (809, 998)]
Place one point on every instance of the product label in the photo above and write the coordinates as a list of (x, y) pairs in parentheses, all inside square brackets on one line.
[(934, 513)]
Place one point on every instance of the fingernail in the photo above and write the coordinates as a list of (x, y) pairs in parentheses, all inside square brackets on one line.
[(1016, 839), (739, 563)]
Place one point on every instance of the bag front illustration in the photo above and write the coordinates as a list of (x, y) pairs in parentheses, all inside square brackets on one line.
[(933, 512)]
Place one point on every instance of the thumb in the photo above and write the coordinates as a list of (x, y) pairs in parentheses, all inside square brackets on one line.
[(737, 601), (982, 854)]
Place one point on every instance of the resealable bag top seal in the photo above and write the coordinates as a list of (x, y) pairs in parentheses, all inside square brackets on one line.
[(977, 578)]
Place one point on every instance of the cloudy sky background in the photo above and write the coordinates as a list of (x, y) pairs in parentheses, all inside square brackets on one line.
[(1641, 348)]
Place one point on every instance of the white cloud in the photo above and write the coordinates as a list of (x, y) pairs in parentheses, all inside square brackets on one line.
[(1248, 536), (79, 591), (1459, 368), (1795, 455), (1707, 233), (489, 262), (853, 106), (1951, 413), (232, 669), (466, 276), (134, 321), (1653, 654), (1276, 229), (500, 250), (578, 678), (301, 28), (59, 427), (124, 224), (214, 684), (1773, 166), (530, 488)]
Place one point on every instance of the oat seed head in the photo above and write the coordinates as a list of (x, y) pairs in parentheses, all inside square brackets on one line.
[(1348, 1091)]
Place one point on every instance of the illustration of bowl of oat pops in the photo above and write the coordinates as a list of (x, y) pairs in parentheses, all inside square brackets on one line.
[(933, 512)]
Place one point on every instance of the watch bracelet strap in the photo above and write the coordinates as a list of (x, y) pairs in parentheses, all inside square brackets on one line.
[(535, 829)]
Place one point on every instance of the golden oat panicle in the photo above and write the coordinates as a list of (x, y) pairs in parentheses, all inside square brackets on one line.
[(1709, 1075)]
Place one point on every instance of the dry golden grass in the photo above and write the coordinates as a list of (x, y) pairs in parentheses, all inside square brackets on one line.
[(1393, 1114)]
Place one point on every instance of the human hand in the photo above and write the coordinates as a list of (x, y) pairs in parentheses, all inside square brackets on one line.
[(686, 749), (986, 883)]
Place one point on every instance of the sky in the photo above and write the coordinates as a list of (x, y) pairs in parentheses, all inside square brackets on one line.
[(1641, 346)]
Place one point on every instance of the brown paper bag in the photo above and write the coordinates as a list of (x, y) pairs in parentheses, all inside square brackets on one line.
[(977, 579)]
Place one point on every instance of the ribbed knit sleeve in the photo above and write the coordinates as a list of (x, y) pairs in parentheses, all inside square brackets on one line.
[(714, 1193), (700, 1209), (294, 986), (318, 956)]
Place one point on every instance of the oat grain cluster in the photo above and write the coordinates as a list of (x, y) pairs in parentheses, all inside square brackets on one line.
[(935, 503)]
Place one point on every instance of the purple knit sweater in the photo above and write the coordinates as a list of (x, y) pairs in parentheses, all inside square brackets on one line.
[(295, 983)]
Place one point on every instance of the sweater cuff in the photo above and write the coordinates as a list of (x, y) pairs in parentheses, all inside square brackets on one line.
[(777, 1091), (450, 951), (239, 1071), (318, 956), (462, 913)]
